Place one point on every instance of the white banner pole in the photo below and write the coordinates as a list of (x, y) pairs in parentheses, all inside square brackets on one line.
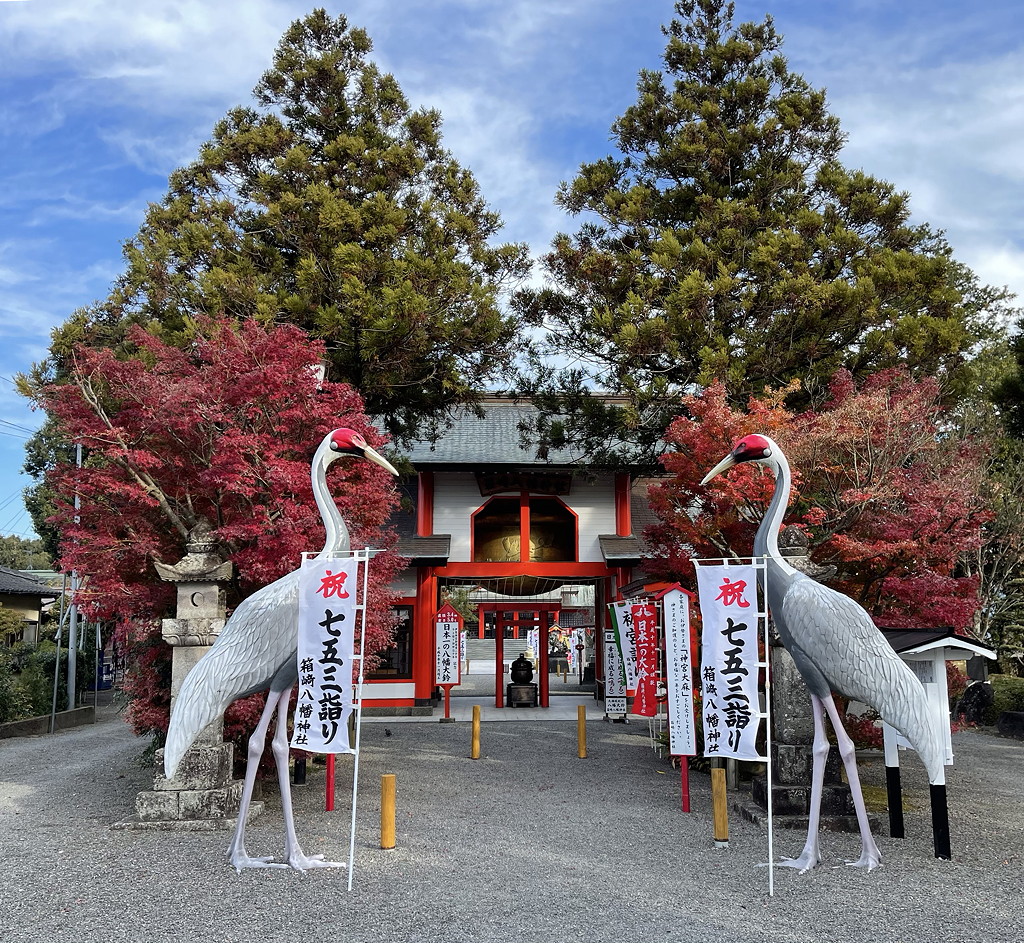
[(364, 557), (761, 565)]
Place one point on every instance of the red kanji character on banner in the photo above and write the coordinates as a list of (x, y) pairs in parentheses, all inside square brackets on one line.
[(731, 593), (333, 584)]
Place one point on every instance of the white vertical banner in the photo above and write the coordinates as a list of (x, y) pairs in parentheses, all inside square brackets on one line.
[(729, 661), (614, 677), (326, 647), (625, 638), (447, 626), (679, 673)]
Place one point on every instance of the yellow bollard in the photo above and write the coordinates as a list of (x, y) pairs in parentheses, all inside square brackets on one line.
[(387, 810), (475, 752), (719, 807), (581, 731)]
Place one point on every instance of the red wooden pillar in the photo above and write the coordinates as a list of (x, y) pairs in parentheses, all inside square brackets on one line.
[(544, 665), (623, 510), (524, 526), (423, 634), (425, 504)]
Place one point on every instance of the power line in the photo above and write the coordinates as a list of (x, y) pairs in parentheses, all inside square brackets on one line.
[(16, 435), (18, 426)]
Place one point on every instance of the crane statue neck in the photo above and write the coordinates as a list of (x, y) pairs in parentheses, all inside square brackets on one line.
[(766, 540), (337, 537)]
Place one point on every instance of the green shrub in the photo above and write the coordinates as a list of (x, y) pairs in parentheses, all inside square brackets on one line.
[(1009, 696), (14, 705), (35, 665)]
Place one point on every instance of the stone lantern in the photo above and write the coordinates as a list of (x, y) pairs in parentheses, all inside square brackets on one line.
[(202, 794)]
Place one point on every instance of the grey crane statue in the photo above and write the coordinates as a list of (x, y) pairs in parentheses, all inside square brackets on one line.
[(836, 647), (256, 650)]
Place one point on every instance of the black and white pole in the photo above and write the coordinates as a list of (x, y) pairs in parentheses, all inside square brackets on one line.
[(893, 784), (940, 820)]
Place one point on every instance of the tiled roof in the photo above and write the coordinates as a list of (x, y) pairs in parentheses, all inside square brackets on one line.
[(620, 551), (489, 440), (426, 551), (16, 584)]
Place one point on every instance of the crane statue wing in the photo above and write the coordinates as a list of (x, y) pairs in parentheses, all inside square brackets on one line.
[(255, 647), (855, 660)]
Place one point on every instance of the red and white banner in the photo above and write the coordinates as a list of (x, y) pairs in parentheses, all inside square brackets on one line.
[(729, 660), (326, 644), (679, 673), (645, 632), (447, 626)]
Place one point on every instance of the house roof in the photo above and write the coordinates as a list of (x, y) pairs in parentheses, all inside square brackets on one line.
[(14, 583)]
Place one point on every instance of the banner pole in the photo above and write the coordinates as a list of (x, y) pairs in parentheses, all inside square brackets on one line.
[(364, 556), (768, 729)]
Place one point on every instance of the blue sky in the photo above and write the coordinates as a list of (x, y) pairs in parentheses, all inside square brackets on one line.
[(101, 99)]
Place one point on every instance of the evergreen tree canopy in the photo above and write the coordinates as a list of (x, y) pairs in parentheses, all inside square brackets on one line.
[(1008, 390), (331, 205), (726, 242), (22, 553)]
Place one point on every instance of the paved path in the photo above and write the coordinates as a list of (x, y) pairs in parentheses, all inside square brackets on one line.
[(529, 843)]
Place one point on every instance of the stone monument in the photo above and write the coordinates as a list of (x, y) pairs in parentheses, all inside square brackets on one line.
[(202, 795)]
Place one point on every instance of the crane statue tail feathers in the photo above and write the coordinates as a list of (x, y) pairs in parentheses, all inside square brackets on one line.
[(856, 662)]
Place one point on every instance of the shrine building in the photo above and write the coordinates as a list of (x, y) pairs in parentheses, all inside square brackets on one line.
[(526, 544)]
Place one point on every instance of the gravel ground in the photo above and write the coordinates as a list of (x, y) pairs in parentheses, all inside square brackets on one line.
[(528, 843)]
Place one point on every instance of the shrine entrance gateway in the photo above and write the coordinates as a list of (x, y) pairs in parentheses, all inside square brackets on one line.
[(520, 618)]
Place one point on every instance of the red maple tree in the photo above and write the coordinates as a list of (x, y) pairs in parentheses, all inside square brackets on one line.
[(885, 494), (219, 435)]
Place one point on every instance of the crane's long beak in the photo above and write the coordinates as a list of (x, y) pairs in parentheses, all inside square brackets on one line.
[(725, 463), (375, 456)]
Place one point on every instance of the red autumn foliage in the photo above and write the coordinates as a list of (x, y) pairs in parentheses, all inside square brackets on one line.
[(884, 493), (220, 434)]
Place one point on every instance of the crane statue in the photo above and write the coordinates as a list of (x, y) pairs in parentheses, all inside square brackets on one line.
[(255, 650), (836, 647)]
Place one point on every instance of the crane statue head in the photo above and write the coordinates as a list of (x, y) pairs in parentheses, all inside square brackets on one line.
[(751, 448), (348, 442)]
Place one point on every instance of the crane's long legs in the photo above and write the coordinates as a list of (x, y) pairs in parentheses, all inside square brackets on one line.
[(294, 855), (810, 856), (236, 850), (869, 854)]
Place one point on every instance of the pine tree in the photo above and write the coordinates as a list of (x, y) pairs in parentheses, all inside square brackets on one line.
[(331, 205), (726, 242)]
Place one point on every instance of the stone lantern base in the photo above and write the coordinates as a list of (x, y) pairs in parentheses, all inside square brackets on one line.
[(202, 796)]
